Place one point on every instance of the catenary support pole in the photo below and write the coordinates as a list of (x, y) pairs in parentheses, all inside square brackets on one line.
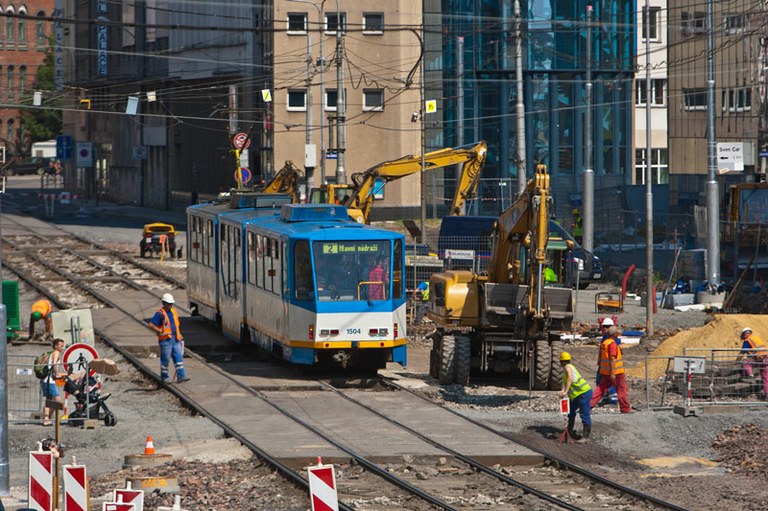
[(651, 301), (713, 206), (519, 102), (589, 173), (341, 99)]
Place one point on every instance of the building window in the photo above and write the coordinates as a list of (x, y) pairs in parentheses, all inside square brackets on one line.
[(737, 100), (40, 38), (22, 79), (297, 100), (332, 22), (373, 23), (331, 100), (9, 88), (694, 23), (9, 39), (734, 24), (297, 23), (659, 166), (651, 24), (21, 35), (694, 99), (9, 131), (373, 100), (658, 92)]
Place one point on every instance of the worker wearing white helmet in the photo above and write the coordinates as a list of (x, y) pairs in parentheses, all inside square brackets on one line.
[(166, 323), (754, 356), (610, 397)]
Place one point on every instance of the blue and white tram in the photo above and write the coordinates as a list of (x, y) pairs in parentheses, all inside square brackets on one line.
[(320, 289), (204, 285)]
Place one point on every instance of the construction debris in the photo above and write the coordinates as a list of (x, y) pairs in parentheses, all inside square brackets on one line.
[(742, 452)]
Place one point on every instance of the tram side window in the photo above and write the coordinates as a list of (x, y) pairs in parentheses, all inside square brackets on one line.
[(192, 238), (397, 277), (195, 251), (260, 260), (273, 275), (251, 250), (208, 245), (302, 263), (224, 259), (236, 278), (285, 291)]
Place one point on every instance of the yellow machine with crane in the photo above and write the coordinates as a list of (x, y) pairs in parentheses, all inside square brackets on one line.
[(358, 196), (286, 181), (506, 321)]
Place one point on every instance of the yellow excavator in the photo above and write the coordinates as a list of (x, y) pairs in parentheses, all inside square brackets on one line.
[(359, 195), (505, 321), (286, 181)]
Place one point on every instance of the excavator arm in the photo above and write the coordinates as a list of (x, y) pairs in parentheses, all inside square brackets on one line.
[(286, 181), (472, 156)]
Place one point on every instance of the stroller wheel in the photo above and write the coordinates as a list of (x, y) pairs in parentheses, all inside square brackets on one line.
[(110, 419), (75, 418)]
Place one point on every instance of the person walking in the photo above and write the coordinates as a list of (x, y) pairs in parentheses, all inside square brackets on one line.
[(41, 309), (753, 357), (578, 225), (580, 395), (610, 397), (420, 301), (48, 384), (166, 323), (611, 366)]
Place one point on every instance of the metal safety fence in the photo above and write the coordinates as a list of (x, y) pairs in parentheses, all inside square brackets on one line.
[(24, 396), (705, 376)]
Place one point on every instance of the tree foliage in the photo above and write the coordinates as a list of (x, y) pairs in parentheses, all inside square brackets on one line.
[(43, 123)]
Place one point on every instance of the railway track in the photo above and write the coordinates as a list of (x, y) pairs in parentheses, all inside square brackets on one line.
[(56, 263)]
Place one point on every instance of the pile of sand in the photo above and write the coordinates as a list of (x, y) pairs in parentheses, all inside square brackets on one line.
[(722, 332)]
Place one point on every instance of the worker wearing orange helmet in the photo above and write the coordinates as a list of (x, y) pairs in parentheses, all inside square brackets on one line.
[(41, 309), (754, 356), (578, 391)]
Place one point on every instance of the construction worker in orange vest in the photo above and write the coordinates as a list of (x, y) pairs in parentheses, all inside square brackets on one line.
[(166, 323), (41, 309), (611, 366), (754, 355)]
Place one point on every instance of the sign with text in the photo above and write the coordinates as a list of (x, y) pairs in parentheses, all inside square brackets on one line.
[(730, 157)]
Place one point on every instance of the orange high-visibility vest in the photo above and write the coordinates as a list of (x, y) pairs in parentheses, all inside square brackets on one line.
[(167, 333), (755, 342), (605, 358), (43, 307)]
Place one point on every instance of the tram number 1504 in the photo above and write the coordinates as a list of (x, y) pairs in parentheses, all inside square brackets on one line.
[(353, 331)]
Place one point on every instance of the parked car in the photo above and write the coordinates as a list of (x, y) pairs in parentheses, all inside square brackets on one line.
[(36, 165), (151, 239)]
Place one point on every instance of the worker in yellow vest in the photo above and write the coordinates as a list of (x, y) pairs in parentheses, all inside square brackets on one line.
[(580, 395)]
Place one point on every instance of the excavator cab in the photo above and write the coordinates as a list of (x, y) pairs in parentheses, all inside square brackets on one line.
[(332, 194)]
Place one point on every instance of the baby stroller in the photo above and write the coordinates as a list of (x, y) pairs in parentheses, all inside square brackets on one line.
[(90, 403)]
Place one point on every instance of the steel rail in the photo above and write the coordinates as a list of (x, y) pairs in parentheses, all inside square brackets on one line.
[(554, 459), (466, 459)]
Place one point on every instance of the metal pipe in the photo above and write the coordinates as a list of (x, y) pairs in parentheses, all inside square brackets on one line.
[(648, 181), (519, 103), (589, 173), (341, 100), (713, 206)]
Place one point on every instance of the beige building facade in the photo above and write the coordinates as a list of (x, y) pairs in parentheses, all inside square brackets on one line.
[(381, 75)]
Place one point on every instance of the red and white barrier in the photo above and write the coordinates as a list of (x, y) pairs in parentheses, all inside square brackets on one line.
[(322, 487), (75, 488), (117, 506), (129, 496), (40, 496)]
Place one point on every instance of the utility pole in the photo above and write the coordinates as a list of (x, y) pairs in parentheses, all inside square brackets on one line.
[(651, 301), (422, 111), (713, 208), (322, 93), (589, 173), (519, 103), (460, 109), (310, 156), (341, 100)]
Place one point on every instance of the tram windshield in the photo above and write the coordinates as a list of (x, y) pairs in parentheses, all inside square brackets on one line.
[(352, 270)]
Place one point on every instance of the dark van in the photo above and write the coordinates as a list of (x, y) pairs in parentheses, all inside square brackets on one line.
[(461, 234)]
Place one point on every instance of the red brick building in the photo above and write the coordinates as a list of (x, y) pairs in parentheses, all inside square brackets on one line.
[(24, 37)]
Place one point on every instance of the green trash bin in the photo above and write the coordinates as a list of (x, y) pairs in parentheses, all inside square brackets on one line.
[(12, 312)]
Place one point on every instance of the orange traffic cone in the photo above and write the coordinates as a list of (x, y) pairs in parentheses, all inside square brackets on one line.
[(150, 448)]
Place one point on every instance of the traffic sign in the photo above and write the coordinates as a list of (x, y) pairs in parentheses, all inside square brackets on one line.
[(130, 496), (78, 356), (730, 157), (241, 141), (84, 154), (64, 147), (322, 488), (245, 175)]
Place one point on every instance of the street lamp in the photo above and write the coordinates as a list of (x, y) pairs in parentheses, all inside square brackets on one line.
[(319, 9)]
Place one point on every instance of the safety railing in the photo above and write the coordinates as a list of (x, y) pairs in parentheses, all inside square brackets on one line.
[(718, 376)]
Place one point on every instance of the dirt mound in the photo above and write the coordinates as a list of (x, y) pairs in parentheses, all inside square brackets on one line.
[(742, 451), (722, 332)]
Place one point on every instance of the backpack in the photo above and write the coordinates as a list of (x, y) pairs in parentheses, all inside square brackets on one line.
[(41, 365)]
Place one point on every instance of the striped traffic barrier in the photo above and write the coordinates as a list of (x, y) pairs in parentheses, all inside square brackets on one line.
[(40, 495), (130, 496), (322, 487), (76, 496)]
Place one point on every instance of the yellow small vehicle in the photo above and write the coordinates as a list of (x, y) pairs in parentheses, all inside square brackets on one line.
[(155, 236)]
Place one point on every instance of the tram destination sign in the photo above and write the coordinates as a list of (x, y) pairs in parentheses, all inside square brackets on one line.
[(338, 247)]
